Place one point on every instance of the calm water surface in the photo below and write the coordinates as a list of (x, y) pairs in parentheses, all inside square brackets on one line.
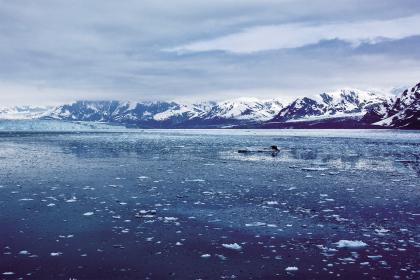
[(184, 204)]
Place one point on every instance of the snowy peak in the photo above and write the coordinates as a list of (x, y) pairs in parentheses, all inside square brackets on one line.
[(340, 103), (251, 109), (349, 100), (400, 112)]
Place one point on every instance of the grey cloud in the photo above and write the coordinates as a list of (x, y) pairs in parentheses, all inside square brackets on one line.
[(54, 51)]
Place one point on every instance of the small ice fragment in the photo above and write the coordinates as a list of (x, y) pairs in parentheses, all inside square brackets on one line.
[(23, 252), (375, 257), (73, 199), (381, 231), (255, 224), (350, 244), (195, 180), (169, 219), (233, 246), (271, 202), (8, 273), (205, 256), (291, 268), (88, 214), (51, 205), (55, 254)]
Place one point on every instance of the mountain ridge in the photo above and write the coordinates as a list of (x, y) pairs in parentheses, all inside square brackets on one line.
[(344, 108)]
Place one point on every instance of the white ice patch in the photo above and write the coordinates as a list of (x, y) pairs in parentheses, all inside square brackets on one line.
[(88, 214), (271, 203), (233, 246), (255, 224), (350, 244), (291, 268), (55, 254)]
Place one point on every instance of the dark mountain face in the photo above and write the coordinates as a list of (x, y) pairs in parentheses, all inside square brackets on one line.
[(400, 112), (300, 108)]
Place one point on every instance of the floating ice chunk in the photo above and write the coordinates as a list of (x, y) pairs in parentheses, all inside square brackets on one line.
[(51, 205), (205, 256), (73, 199), (255, 224), (8, 273), (350, 244), (271, 203), (233, 246), (170, 219), (55, 254), (23, 252), (291, 268), (26, 199), (381, 231), (376, 257), (88, 214), (195, 180)]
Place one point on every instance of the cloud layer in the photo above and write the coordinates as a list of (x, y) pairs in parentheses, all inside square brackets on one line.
[(54, 51), (287, 36)]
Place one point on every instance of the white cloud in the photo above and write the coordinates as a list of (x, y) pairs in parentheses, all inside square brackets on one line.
[(274, 37)]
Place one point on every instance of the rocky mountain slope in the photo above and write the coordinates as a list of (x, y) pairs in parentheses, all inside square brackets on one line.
[(342, 103), (402, 111)]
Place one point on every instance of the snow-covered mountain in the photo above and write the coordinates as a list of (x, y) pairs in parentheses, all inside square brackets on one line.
[(22, 112), (345, 108), (337, 104), (169, 114), (402, 111), (248, 109)]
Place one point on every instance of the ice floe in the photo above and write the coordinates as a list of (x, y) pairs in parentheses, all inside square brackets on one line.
[(350, 244)]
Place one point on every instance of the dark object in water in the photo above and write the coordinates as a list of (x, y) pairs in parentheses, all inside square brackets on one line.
[(275, 148)]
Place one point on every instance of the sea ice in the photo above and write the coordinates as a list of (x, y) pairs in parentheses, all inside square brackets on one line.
[(233, 246), (55, 254), (350, 244), (291, 268)]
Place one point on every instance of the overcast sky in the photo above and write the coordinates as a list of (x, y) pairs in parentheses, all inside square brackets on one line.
[(55, 51)]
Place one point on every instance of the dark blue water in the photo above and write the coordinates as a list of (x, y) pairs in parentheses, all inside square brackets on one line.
[(185, 205)]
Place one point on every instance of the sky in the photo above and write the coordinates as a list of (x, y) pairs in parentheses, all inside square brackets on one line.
[(57, 51)]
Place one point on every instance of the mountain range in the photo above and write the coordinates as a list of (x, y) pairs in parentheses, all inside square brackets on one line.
[(345, 108)]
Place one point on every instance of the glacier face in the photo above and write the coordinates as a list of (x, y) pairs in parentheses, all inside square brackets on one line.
[(22, 112)]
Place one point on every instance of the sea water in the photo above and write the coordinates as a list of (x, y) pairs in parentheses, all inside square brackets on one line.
[(116, 203)]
